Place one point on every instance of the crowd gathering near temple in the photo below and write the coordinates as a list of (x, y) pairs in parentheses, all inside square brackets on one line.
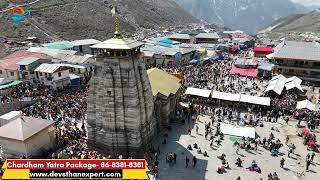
[(58, 99)]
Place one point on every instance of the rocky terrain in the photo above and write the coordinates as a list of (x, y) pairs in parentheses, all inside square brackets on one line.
[(302, 27), (75, 19), (246, 15), (309, 22)]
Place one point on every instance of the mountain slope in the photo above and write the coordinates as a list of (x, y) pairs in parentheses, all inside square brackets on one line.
[(247, 15), (309, 22), (75, 19)]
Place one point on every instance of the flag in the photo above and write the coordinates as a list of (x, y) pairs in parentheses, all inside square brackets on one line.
[(113, 11)]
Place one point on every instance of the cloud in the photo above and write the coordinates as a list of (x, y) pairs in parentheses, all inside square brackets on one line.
[(307, 2)]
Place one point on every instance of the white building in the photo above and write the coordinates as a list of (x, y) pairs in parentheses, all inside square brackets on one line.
[(27, 66), (83, 46), (55, 75), (27, 136)]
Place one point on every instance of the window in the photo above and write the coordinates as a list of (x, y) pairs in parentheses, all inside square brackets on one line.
[(0, 71), (59, 74), (40, 73), (12, 73)]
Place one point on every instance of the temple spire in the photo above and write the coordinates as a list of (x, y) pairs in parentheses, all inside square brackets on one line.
[(117, 33)]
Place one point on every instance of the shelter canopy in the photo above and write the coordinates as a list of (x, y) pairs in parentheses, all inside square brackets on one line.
[(238, 131), (241, 98), (306, 104), (276, 84), (198, 92)]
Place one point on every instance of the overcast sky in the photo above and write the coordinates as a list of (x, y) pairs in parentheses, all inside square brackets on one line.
[(308, 2)]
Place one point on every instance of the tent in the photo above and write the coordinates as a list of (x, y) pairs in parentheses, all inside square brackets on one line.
[(255, 100), (238, 131), (270, 56), (194, 62), (229, 96), (241, 98), (198, 92), (306, 104), (10, 84), (244, 72), (276, 84), (294, 79), (215, 94), (294, 82)]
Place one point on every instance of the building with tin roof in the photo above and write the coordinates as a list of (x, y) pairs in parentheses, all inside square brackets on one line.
[(54, 75), (211, 38), (9, 68), (301, 59), (26, 136)]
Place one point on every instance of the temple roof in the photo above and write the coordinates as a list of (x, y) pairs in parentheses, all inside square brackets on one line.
[(115, 43), (163, 82)]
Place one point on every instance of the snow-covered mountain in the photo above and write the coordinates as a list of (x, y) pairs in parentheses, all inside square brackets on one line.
[(246, 15)]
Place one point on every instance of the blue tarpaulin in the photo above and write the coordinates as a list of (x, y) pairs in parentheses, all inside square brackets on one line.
[(218, 58), (165, 44), (169, 41), (194, 61), (242, 47), (74, 80)]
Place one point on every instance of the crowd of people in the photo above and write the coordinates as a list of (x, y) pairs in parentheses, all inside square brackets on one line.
[(59, 105), (22, 91), (67, 108), (217, 77)]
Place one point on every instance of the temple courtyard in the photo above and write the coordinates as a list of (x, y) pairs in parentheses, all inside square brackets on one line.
[(178, 139)]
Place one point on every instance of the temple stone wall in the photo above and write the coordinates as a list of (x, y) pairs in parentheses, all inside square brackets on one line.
[(120, 107)]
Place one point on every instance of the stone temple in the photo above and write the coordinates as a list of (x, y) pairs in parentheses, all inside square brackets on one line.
[(120, 102)]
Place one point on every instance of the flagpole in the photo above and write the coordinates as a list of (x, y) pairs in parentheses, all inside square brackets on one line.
[(117, 33)]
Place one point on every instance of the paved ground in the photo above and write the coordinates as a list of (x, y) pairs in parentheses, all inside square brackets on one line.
[(206, 167)]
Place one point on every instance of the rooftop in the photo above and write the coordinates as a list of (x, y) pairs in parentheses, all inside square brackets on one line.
[(10, 115), (28, 60), (48, 68), (298, 50), (83, 42), (58, 45), (121, 44), (148, 54), (208, 36), (23, 128), (162, 82), (263, 49), (74, 59), (180, 36), (9, 84), (10, 62), (51, 52)]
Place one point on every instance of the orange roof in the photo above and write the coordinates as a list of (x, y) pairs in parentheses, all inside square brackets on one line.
[(10, 62)]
